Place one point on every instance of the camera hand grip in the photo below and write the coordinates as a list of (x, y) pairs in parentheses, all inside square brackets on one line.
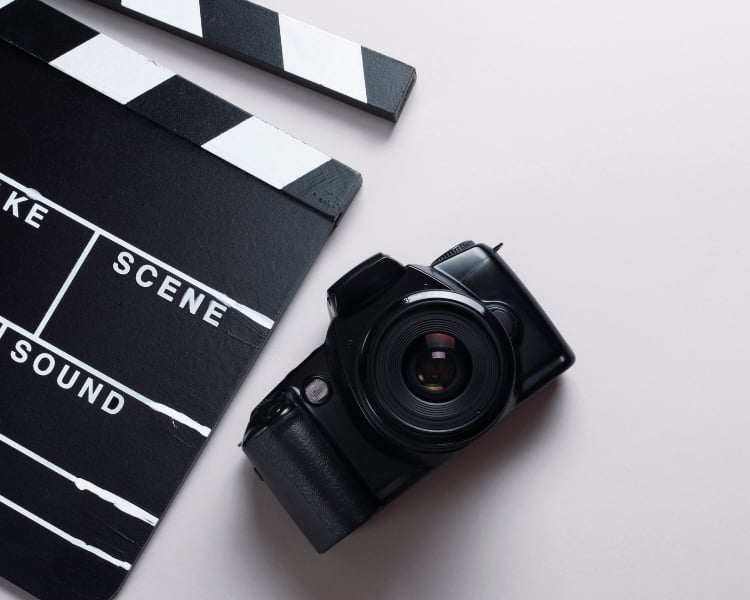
[(316, 487)]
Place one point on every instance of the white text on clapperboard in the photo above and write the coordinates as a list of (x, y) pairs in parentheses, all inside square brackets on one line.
[(127, 264), (148, 276), (45, 364), (32, 213)]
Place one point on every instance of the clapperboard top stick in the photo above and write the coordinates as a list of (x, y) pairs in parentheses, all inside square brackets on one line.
[(185, 109), (286, 47), (151, 235)]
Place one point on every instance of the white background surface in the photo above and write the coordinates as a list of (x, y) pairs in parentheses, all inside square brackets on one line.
[(607, 143)]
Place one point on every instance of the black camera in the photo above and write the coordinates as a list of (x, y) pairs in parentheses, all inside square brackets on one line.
[(418, 362)]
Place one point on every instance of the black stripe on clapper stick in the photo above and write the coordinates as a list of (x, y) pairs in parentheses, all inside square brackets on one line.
[(286, 47)]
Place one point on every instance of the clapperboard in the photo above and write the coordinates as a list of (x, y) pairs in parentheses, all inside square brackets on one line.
[(151, 234)]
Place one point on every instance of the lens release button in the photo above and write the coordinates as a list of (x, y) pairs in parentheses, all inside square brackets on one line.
[(507, 320)]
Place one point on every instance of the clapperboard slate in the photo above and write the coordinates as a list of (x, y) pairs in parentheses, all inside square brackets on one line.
[(150, 236)]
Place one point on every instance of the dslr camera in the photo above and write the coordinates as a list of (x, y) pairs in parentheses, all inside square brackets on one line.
[(418, 362)]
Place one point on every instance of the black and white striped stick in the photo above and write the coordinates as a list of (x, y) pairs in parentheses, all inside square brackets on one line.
[(286, 47), (184, 108)]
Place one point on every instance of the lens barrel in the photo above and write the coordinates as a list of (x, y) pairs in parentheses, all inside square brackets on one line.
[(437, 374)]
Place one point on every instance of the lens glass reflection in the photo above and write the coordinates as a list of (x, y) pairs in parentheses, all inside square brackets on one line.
[(436, 363)]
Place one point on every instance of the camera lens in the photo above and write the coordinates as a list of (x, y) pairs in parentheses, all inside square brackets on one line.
[(436, 367), (436, 374)]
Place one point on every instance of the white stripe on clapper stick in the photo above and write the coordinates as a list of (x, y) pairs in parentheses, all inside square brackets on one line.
[(182, 14), (66, 285), (85, 486), (251, 314), (173, 414), (322, 58), (266, 152), (112, 69), (66, 536)]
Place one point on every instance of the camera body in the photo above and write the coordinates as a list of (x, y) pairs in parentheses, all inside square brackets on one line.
[(418, 362)]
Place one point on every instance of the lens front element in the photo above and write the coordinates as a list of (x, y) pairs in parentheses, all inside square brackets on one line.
[(436, 367)]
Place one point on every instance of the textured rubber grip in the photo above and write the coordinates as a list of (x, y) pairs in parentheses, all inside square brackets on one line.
[(306, 474)]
